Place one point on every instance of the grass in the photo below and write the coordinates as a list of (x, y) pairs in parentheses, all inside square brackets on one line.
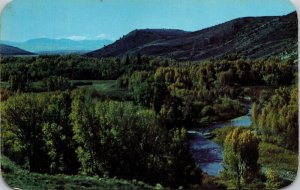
[(16, 177), (105, 88), (4, 85), (212, 182), (281, 160)]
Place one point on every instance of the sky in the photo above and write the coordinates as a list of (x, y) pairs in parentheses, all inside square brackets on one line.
[(22, 20)]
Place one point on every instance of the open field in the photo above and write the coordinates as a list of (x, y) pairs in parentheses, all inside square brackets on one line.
[(107, 88)]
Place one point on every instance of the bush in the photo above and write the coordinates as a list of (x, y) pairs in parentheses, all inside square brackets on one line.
[(273, 181)]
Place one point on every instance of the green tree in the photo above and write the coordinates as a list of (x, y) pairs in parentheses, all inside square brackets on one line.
[(36, 127), (254, 111), (58, 135), (180, 160), (23, 116), (56, 83), (277, 117), (123, 140), (225, 77), (17, 82), (86, 131), (240, 157)]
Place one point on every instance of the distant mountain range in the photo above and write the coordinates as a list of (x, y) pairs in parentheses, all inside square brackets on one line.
[(253, 37), (10, 50), (50, 46)]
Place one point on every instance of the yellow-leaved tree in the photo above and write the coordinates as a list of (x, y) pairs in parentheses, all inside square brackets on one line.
[(240, 158)]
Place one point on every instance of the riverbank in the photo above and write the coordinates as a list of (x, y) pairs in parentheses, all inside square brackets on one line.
[(281, 160), (207, 150), (207, 154), (244, 105)]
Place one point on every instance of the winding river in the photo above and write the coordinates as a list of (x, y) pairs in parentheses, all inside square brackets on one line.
[(207, 154)]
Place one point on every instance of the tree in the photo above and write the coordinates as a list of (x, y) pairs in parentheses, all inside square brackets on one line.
[(58, 136), (225, 77), (123, 140), (160, 90), (23, 116), (277, 117), (240, 157), (254, 114), (180, 160), (139, 59), (86, 131), (56, 83), (36, 127), (141, 85), (127, 61)]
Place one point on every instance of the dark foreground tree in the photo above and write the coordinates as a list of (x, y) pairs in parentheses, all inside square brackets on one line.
[(36, 132), (123, 140), (22, 118)]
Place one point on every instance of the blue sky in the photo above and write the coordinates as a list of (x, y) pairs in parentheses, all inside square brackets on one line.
[(110, 19)]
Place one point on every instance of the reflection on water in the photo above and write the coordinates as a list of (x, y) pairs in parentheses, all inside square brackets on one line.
[(207, 154)]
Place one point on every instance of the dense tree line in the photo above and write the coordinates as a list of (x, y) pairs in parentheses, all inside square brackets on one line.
[(111, 138), (271, 71), (73, 67), (276, 117), (192, 93), (174, 96)]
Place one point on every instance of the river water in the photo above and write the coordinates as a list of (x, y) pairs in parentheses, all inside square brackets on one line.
[(207, 154)]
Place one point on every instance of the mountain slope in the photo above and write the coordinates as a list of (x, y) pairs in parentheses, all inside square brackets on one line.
[(56, 45), (11, 50), (252, 37)]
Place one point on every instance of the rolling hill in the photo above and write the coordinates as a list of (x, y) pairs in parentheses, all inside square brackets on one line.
[(11, 50), (253, 37)]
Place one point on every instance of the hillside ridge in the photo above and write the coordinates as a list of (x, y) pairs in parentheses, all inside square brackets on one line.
[(252, 37), (11, 50)]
